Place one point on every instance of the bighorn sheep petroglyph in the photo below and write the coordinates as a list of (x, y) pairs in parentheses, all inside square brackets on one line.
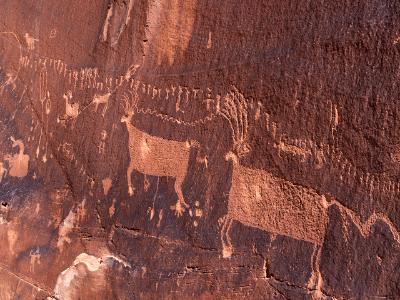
[(259, 199), (156, 156)]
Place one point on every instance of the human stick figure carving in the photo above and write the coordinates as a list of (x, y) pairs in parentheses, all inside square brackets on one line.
[(156, 156), (30, 41)]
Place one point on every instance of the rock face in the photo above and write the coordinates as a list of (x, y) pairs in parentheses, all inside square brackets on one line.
[(169, 149)]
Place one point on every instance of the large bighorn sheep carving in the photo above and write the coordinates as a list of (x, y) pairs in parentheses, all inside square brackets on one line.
[(259, 199), (156, 156)]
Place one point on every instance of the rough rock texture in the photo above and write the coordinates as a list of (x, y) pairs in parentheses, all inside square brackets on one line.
[(199, 149)]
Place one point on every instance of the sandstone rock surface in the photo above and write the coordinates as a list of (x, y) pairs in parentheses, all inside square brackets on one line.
[(163, 149)]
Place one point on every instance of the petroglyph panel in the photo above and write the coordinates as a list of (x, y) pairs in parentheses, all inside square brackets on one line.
[(199, 150)]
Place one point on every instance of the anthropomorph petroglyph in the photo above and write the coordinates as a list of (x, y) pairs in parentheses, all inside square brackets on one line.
[(30, 41), (18, 163), (103, 138), (156, 156)]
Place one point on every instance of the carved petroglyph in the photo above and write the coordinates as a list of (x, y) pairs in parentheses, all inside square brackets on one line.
[(209, 41), (259, 199), (156, 156), (111, 209), (325, 155), (79, 79), (53, 33), (11, 62), (10, 55), (304, 149), (235, 112), (180, 95), (365, 227), (196, 213), (102, 145), (297, 148), (101, 99), (45, 101), (104, 86), (30, 41), (18, 163), (71, 109), (34, 259), (67, 151), (107, 183), (334, 119)]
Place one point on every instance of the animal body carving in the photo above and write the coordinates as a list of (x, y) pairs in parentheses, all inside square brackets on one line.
[(156, 156), (261, 200), (101, 99)]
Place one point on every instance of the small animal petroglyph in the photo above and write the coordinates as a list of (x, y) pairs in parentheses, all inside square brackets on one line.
[(71, 109), (101, 99), (156, 156)]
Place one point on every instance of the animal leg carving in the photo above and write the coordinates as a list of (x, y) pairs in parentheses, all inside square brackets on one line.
[(131, 189), (315, 281), (104, 110), (227, 248), (180, 205)]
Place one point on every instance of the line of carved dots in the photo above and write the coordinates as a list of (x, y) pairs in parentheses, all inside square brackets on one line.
[(149, 111)]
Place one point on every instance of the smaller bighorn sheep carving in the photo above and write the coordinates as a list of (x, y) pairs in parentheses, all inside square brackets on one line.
[(156, 156)]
